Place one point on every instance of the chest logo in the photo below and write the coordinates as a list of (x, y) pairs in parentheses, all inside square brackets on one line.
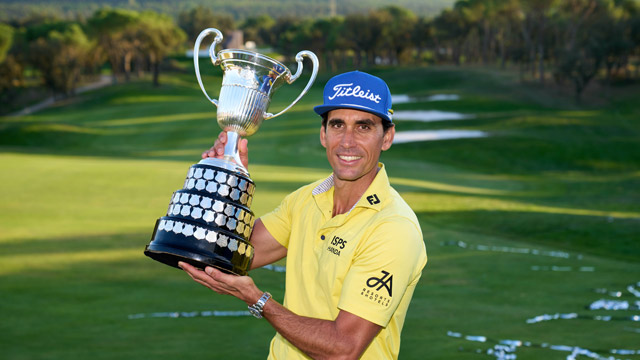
[(336, 244), (385, 281), (373, 199)]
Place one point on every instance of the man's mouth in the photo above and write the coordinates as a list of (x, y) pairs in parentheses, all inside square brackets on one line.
[(349, 157)]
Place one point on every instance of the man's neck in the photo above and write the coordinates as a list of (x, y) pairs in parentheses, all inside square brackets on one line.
[(347, 193)]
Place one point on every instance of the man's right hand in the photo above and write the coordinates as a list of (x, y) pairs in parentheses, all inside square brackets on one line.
[(217, 150)]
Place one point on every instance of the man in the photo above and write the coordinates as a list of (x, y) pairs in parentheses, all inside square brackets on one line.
[(354, 248)]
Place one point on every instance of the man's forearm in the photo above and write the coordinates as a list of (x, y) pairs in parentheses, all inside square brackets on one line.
[(345, 338)]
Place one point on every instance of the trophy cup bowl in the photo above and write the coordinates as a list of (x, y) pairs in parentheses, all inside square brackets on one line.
[(209, 221)]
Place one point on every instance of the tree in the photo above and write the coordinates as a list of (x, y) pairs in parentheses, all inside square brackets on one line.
[(10, 69), (158, 35), (6, 40), (363, 33), (507, 23), (614, 28), (200, 18), (422, 37), (397, 24), (325, 35), (59, 51), (290, 32), (259, 29), (452, 28), (535, 30), (634, 25), (108, 27), (581, 57)]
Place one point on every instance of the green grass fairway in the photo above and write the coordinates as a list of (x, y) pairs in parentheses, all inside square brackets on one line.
[(84, 182)]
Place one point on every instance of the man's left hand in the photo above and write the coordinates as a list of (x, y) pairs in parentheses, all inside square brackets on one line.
[(241, 287)]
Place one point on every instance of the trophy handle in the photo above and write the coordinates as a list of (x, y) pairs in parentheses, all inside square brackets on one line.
[(314, 73), (212, 55)]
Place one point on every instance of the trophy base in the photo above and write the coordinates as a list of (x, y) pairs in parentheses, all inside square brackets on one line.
[(171, 256), (208, 222), (169, 248)]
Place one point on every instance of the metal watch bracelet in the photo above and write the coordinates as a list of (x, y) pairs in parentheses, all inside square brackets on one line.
[(256, 309)]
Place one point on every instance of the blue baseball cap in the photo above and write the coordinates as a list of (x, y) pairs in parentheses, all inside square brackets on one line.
[(359, 91)]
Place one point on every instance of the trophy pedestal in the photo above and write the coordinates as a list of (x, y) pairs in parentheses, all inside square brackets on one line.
[(170, 249), (208, 222)]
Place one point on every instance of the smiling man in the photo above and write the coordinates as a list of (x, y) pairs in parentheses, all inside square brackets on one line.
[(354, 249)]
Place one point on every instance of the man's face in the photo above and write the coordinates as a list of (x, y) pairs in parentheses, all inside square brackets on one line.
[(354, 140)]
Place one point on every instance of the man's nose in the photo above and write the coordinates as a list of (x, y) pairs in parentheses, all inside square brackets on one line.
[(347, 139)]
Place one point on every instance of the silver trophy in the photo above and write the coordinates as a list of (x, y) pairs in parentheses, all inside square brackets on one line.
[(209, 221)]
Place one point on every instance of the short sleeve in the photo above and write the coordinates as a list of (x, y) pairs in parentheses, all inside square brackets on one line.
[(278, 221), (385, 270)]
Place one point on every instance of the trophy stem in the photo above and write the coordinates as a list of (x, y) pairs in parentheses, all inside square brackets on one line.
[(231, 152)]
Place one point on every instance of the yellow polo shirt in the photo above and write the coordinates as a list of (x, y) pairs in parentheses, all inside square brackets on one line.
[(367, 261)]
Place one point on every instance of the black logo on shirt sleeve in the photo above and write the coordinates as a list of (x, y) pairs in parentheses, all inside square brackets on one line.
[(385, 281), (373, 199)]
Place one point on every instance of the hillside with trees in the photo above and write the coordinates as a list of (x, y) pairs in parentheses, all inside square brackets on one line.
[(238, 9), (564, 43)]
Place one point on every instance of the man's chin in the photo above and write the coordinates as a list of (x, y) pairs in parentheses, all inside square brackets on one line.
[(348, 177)]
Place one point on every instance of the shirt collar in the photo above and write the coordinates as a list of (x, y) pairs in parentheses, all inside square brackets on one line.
[(373, 197)]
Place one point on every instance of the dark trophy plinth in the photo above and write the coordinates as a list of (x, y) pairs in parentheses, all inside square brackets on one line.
[(209, 221)]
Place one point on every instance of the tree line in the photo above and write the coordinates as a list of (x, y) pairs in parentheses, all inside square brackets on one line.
[(565, 41)]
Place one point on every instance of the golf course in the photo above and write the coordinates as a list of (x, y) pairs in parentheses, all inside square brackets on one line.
[(532, 229)]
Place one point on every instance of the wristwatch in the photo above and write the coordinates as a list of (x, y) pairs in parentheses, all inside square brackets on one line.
[(256, 309)]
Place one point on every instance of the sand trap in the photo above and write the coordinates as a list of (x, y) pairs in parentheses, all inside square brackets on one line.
[(430, 115), (432, 135)]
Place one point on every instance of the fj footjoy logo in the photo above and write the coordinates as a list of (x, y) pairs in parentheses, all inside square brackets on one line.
[(385, 281), (373, 199), (336, 244), (342, 90)]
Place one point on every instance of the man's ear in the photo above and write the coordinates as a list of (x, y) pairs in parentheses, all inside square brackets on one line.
[(388, 136), (323, 134)]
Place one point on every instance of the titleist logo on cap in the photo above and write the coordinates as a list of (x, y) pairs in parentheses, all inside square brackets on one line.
[(342, 90)]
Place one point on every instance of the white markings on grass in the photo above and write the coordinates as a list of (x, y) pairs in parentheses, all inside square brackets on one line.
[(505, 349), (276, 268), (563, 268), (214, 313), (406, 99), (506, 249), (190, 314), (569, 316), (605, 304), (631, 289), (610, 293), (430, 115), (402, 137)]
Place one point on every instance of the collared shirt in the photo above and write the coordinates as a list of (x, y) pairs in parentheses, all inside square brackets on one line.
[(366, 261)]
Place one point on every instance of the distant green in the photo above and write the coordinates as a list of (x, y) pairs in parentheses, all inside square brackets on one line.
[(84, 181)]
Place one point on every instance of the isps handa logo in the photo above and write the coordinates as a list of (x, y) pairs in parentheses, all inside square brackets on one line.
[(336, 244)]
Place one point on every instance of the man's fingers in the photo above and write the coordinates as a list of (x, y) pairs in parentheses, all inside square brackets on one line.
[(203, 278), (217, 150), (243, 151), (209, 153)]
